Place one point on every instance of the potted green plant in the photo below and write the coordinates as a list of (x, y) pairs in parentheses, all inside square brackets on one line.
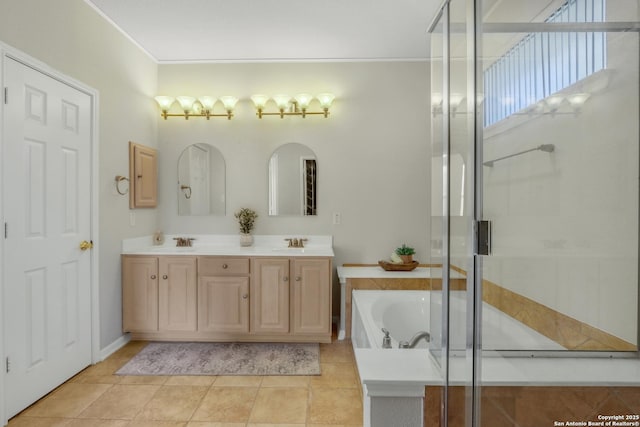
[(246, 218), (405, 253)]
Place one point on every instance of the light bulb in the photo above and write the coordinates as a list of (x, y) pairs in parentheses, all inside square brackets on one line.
[(303, 100), (259, 101), (326, 99), (186, 102)]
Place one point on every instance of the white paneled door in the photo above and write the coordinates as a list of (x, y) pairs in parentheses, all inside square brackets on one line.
[(47, 203)]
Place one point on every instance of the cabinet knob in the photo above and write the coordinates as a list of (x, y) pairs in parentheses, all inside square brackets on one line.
[(298, 278), (245, 296), (165, 277), (285, 279), (225, 266), (153, 277)]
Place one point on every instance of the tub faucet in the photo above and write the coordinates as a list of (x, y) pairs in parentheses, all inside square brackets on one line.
[(386, 341), (414, 340)]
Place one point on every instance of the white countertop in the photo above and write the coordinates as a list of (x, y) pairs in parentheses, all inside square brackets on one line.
[(229, 245), (374, 272)]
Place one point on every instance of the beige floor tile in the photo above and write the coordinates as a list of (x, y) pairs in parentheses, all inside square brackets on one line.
[(106, 367), (22, 421), (97, 423), (173, 403), (336, 375), (201, 380), (67, 401), (280, 405), (333, 425), (95, 379), (130, 349), (334, 406), (275, 425), (155, 423), (238, 381), (332, 353), (213, 424), (120, 402), (285, 381), (143, 379), (226, 404)]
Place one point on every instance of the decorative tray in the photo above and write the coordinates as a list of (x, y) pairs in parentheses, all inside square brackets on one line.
[(389, 266)]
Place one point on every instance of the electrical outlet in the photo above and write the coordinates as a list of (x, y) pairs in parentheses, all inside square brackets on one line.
[(132, 219), (337, 218)]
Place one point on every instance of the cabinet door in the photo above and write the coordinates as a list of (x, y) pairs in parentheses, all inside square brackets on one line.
[(223, 304), (270, 296), (143, 175), (177, 293), (311, 296), (139, 294)]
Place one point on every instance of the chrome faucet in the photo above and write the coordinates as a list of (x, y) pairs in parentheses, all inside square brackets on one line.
[(414, 340), (386, 341)]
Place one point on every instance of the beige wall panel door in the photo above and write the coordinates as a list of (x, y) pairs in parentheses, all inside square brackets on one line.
[(311, 296), (47, 205), (177, 293), (223, 304), (270, 296)]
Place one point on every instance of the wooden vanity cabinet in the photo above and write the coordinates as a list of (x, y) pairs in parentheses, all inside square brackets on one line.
[(311, 296), (217, 298), (223, 295), (292, 296), (270, 296), (158, 293), (139, 293)]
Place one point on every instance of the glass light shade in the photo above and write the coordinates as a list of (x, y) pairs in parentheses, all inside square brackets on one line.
[(282, 101), (436, 99), (578, 99), (229, 102), (303, 100), (554, 101), (326, 99), (186, 102), (165, 102), (260, 101), (207, 102), (455, 100)]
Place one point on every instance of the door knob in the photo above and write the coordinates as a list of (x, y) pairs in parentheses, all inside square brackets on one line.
[(84, 245)]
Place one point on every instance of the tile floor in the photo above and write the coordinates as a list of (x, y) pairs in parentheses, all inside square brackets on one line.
[(98, 398)]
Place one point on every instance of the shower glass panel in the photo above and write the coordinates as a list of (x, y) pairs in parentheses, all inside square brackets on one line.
[(560, 176), (548, 138)]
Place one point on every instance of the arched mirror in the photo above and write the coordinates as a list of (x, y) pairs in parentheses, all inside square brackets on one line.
[(201, 181), (293, 175)]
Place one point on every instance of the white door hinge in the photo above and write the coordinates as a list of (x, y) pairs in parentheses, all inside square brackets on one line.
[(6, 227), (8, 365), (6, 95)]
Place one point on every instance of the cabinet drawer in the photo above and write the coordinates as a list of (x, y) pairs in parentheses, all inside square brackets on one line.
[(222, 266)]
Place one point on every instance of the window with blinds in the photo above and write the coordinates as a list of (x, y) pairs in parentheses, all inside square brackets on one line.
[(542, 64)]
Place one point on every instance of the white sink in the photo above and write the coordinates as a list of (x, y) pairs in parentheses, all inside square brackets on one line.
[(291, 250), (173, 249)]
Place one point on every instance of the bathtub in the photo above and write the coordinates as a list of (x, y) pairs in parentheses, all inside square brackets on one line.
[(403, 313), (393, 380)]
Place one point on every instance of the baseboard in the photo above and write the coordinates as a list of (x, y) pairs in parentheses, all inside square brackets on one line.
[(114, 346)]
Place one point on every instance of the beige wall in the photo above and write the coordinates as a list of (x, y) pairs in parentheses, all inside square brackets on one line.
[(72, 38), (373, 151)]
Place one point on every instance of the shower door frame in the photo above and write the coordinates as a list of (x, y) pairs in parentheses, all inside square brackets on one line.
[(473, 353)]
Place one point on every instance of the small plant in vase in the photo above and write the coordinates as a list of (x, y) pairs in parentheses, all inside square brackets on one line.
[(246, 218), (405, 253)]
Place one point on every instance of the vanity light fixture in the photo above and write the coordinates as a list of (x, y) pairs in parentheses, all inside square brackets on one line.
[(577, 100), (296, 106), (554, 102), (192, 107)]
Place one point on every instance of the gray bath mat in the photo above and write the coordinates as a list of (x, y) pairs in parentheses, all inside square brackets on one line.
[(195, 358)]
